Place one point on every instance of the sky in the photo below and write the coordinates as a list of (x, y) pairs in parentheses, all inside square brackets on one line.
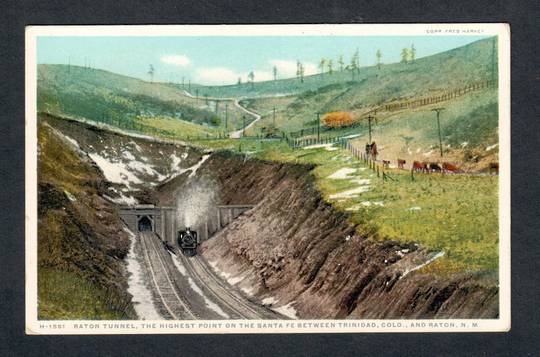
[(218, 60)]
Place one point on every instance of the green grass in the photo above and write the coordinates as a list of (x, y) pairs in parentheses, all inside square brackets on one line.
[(64, 295), (458, 213), (112, 98)]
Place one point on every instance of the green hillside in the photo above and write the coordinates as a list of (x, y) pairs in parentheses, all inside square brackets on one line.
[(447, 69), (108, 97)]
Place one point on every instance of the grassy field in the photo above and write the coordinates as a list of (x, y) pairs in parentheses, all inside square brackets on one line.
[(448, 68), (112, 98), (457, 214), (64, 295)]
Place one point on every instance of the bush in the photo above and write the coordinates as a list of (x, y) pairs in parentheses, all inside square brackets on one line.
[(338, 119)]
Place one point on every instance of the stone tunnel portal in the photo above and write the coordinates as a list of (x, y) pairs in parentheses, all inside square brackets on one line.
[(145, 224)]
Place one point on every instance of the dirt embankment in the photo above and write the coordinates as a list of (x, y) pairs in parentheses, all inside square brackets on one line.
[(299, 250), (81, 243)]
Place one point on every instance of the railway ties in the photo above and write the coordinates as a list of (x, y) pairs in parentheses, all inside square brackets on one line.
[(163, 281), (221, 291)]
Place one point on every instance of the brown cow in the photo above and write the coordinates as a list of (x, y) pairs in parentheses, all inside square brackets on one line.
[(386, 164), (494, 166), (419, 166), (450, 168), (401, 163)]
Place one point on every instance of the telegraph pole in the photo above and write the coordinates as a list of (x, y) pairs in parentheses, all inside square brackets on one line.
[(274, 116), (369, 125), (318, 126), (226, 114), (438, 111), (244, 125)]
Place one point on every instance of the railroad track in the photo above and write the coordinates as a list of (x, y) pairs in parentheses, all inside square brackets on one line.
[(221, 291), (163, 280)]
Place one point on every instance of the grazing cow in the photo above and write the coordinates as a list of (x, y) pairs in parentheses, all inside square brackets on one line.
[(494, 166), (419, 166), (434, 167), (401, 163), (386, 164), (450, 168)]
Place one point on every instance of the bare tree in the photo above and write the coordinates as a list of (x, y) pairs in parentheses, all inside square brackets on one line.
[(378, 55), (330, 65), (322, 65), (151, 73), (405, 55), (341, 63), (274, 72), (251, 78)]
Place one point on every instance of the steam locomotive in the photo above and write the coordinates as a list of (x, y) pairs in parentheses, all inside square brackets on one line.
[(188, 242)]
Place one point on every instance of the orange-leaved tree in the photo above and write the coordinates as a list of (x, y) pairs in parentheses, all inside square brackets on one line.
[(338, 119)]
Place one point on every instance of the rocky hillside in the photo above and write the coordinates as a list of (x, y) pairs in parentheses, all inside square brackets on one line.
[(295, 250), (81, 242)]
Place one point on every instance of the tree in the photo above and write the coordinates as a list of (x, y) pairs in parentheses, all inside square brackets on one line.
[(274, 71), (322, 64), (300, 71), (405, 55), (354, 64), (330, 65), (251, 78), (341, 63), (151, 73), (338, 119), (378, 55), (412, 53)]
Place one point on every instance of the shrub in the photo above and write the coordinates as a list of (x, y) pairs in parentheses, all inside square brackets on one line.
[(338, 119)]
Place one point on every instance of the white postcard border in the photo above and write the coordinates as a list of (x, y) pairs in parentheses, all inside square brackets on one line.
[(35, 326)]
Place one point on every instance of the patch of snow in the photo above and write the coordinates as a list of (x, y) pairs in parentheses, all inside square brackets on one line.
[(175, 161), (195, 167), (463, 144), (416, 208), (115, 171), (287, 310), (184, 155), (436, 256), (491, 147), (269, 301), (426, 154), (418, 150), (351, 136), (247, 291), (142, 296), (128, 155), (234, 281), (319, 146), (361, 181), (213, 306), (342, 173), (350, 193), (137, 147), (72, 141), (123, 199)]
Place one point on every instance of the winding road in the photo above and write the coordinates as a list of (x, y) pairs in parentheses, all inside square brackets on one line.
[(236, 134)]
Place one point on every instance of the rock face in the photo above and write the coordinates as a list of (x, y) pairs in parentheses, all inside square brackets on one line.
[(301, 251), (80, 236)]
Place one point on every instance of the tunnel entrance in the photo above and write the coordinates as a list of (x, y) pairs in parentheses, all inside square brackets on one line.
[(145, 224)]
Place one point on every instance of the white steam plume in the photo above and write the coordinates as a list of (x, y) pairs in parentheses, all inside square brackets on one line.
[(195, 201)]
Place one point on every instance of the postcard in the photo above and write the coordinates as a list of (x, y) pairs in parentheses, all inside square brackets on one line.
[(189, 179)]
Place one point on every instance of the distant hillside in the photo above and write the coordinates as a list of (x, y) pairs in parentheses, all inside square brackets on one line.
[(451, 68), (469, 123), (108, 97)]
